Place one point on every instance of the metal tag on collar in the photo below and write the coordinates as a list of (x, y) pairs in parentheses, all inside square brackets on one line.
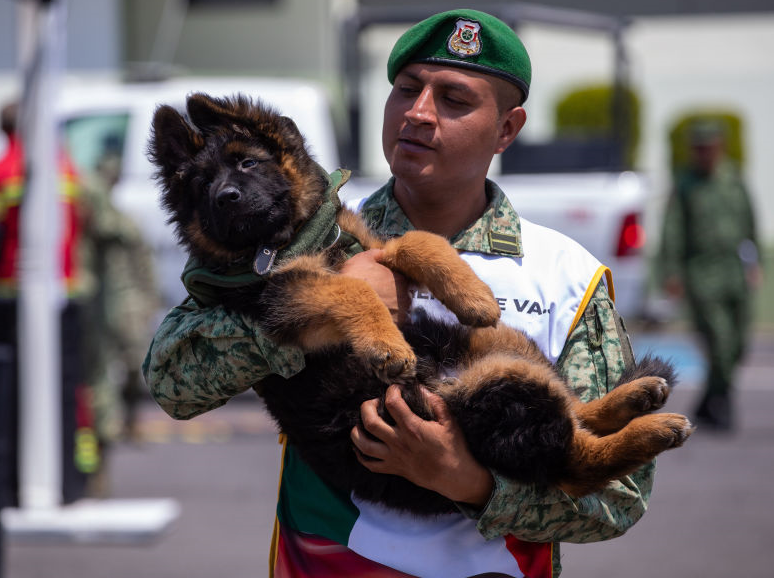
[(264, 259), (336, 238)]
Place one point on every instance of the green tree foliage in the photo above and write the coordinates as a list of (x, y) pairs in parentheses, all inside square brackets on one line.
[(586, 112)]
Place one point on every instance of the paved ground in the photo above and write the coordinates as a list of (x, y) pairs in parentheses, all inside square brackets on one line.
[(711, 514)]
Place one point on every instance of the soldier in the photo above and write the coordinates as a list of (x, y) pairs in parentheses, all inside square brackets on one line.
[(459, 81), (118, 313), (709, 255)]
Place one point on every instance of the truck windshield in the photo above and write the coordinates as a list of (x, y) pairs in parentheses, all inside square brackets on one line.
[(95, 139)]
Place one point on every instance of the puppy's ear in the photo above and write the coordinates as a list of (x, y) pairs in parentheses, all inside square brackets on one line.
[(208, 113), (172, 141), (291, 136)]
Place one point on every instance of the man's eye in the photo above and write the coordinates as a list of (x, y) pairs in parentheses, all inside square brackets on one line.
[(247, 163), (455, 101)]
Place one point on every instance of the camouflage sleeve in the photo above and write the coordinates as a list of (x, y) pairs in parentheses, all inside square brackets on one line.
[(202, 357), (593, 359)]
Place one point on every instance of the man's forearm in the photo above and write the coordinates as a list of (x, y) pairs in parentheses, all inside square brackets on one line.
[(549, 515), (202, 357)]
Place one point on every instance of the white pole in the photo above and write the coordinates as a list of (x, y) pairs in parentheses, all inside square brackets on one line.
[(40, 286)]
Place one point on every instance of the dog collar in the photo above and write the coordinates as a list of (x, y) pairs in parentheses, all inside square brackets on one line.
[(265, 256)]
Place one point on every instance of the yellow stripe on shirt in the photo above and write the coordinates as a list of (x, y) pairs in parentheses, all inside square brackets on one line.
[(590, 293)]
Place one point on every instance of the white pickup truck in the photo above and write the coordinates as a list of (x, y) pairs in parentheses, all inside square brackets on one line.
[(602, 211)]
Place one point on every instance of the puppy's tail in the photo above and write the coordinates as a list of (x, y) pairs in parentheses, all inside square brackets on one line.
[(651, 365)]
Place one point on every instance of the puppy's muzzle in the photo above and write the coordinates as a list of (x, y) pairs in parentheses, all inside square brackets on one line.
[(227, 197)]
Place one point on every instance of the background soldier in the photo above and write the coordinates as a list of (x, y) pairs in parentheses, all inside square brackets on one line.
[(118, 313), (709, 255)]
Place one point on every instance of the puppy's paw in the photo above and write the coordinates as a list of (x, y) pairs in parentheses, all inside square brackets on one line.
[(649, 394), (391, 362), (476, 310), (670, 430), (680, 426)]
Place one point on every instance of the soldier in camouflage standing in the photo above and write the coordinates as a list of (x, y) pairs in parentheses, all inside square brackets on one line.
[(118, 313), (709, 256), (459, 81)]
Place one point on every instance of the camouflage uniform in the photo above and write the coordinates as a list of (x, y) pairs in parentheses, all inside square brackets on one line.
[(195, 346), (708, 228)]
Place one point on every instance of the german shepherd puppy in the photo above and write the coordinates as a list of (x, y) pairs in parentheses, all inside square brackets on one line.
[(237, 179)]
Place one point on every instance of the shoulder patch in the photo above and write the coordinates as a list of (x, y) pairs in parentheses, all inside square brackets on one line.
[(503, 243)]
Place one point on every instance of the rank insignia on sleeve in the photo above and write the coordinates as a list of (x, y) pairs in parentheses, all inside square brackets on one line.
[(465, 40)]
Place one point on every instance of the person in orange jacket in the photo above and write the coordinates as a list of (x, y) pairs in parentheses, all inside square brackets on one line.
[(12, 185)]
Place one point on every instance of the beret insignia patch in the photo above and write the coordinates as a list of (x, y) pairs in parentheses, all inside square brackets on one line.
[(465, 40)]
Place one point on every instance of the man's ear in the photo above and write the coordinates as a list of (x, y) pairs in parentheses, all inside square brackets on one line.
[(172, 141), (510, 125)]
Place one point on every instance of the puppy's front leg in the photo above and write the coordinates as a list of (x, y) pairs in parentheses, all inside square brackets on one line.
[(429, 259), (315, 309)]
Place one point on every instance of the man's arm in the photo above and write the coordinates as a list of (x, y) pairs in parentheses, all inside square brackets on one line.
[(202, 357)]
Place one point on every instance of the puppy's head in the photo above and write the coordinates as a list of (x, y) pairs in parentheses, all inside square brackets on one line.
[(235, 176)]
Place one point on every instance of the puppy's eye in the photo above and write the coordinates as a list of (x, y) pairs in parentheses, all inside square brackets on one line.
[(247, 163)]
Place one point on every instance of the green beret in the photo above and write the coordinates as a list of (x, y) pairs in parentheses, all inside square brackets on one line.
[(467, 39)]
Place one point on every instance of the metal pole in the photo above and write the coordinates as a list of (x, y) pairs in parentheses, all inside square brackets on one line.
[(40, 287)]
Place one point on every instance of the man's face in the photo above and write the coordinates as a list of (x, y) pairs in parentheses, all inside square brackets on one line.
[(442, 125)]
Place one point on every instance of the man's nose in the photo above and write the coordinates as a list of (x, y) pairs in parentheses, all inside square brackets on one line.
[(423, 108)]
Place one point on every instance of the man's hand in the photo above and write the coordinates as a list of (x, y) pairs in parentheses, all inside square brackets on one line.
[(391, 286), (431, 454)]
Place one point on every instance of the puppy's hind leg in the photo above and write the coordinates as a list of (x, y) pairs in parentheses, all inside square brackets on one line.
[(515, 416), (595, 461), (643, 389)]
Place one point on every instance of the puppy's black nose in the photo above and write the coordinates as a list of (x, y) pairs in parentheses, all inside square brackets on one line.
[(227, 196)]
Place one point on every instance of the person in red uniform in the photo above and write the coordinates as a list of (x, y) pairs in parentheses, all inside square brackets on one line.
[(12, 184)]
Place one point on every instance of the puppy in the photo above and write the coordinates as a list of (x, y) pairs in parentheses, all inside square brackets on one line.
[(249, 204)]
